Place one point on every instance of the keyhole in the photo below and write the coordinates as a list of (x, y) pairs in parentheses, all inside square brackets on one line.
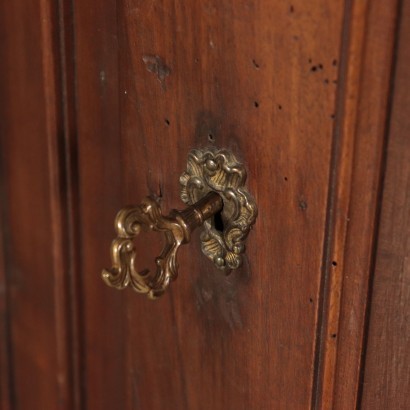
[(218, 222)]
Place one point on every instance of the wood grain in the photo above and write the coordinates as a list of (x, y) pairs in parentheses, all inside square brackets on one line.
[(34, 203), (353, 199), (387, 364), (105, 368), (365, 192), (156, 79), (5, 365), (299, 92)]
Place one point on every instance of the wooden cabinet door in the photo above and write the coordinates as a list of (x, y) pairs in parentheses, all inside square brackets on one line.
[(102, 103)]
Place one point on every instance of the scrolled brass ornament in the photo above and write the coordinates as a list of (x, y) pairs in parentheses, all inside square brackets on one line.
[(213, 170), (213, 187)]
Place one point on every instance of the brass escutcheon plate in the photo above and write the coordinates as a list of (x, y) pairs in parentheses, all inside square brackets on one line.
[(223, 236)]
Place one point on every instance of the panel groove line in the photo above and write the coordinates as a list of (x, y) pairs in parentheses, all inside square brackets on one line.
[(381, 192), (70, 183), (357, 167)]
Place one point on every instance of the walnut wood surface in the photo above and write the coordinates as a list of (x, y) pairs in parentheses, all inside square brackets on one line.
[(353, 198), (35, 281), (102, 101), (5, 382), (387, 370), (156, 79)]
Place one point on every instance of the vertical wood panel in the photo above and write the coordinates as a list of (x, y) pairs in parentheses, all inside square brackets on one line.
[(155, 79), (257, 79), (260, 79), (5, 362), (358, 257), (387, 365), (354, 192), (105, 368), (32, 143)]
